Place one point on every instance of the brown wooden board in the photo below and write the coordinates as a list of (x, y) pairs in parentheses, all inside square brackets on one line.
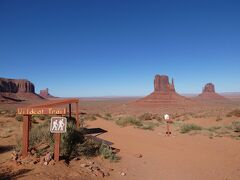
[(39, 111)]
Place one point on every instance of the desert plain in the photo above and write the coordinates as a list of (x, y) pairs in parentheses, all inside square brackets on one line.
[(203, 144)]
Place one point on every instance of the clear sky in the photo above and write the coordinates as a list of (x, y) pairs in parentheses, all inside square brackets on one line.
[(115, 47)]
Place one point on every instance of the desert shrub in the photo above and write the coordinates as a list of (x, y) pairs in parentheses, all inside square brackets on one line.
[(146, 117), (88, 148), (107, 153), (214, 128), (108, 116), (89, 117), (157, 117), (40, 116), (70, 139), (5, 134), (185, 128), (129, 120), (235, 112), (219, 118), (19, 118), (236, 126), (3, 112), (18, 145), (10, 113), (148, 126), (40, 134)]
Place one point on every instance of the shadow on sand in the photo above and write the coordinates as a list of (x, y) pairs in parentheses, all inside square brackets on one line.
[(4, 149), (7, 174)]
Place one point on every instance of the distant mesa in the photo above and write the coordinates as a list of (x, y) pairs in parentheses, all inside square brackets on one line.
[(164, 93), (45, 93), (17, 90), (209, 93)]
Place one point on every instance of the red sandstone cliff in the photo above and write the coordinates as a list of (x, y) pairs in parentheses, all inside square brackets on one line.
[(208, 93), (164, 93), (17, 90), (45, 93)]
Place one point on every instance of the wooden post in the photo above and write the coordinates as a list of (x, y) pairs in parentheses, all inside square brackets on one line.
[(70, 111), (77, 117), (25, 138), (57, 139)]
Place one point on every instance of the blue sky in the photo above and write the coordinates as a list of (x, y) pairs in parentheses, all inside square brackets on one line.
[(106, 47)]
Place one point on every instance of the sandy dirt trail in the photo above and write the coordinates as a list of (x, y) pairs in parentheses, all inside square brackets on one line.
[(182, 157)]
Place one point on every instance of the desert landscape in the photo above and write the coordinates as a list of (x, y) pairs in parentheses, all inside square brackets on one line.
[(204, 140), (119, 90)]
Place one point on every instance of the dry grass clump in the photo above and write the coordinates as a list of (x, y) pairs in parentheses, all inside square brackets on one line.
[(235, 113), (186, 128)]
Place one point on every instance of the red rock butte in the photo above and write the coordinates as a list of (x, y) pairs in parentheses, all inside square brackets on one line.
[(164, 93), (208, 93), (17, 90), (45, 93)]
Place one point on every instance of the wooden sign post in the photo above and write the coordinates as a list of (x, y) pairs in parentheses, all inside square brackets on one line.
[(25, 139), (27, 113), (58, 125)]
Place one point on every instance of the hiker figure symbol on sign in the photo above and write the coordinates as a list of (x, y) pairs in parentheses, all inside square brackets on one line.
[(58, 125)]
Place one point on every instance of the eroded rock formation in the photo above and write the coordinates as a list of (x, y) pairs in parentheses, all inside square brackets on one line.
[(161, 84), (164, 93), (16, 86), (45, 93), (17, 90), (208, 93)]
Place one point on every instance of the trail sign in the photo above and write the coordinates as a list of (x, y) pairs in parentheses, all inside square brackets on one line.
[(58, 125)]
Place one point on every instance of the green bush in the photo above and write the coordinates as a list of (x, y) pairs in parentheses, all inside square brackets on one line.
[(19, 118), (10, 113), (236, 126), (185, 128), (107, 153), (41, 134), (70, 139), (89, 117), (129, 120), (148, 126), (108, 116), (146, 117), (235, 112), (3, 112)]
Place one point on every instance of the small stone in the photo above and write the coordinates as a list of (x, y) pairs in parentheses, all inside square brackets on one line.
[(77, 159), (33, 151), (83, 165), (99, 173), (52, 163), (91, 162), (45, 163), (111, 169), (138, 155), (123, 174), (48, 157), (107, 174)]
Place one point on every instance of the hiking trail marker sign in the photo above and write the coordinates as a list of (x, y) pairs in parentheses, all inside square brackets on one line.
[(58, 125)]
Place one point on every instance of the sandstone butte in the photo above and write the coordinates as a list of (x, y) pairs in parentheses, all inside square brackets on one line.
[(209, 93), (17, 90), (164, 94), (45, 93)]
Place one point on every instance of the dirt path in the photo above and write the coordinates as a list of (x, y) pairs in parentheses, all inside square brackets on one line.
[(169, 158)]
